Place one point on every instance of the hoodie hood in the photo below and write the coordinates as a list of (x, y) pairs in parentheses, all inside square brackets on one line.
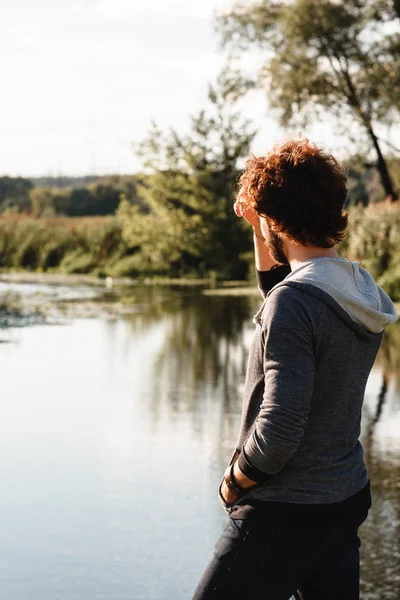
[(352, 287)]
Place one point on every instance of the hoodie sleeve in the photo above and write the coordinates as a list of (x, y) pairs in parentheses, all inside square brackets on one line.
[(289, 368), (267, 279)]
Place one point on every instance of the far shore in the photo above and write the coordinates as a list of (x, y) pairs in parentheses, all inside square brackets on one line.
[(87, 279), (68, 278)]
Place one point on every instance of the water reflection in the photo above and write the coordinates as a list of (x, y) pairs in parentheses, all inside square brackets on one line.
[(203, 341)]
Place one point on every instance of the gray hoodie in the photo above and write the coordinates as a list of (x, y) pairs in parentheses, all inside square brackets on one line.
[(317, 336)]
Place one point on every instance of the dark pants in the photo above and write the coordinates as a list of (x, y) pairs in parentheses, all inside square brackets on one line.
[(278, 549)]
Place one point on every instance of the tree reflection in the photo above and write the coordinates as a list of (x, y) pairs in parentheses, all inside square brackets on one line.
[(381, 401), (203, 345)]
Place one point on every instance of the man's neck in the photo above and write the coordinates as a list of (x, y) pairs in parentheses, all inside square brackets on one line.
[(297, 254)]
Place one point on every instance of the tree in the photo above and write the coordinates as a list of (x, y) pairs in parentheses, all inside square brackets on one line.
[(79, 202), (97, 199), (14, 193), (322, 56), (105, 199), (190, 226)]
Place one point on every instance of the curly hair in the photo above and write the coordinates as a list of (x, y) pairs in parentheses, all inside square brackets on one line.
[(301, 190)]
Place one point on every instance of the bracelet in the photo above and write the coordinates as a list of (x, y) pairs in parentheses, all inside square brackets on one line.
[(231, 482), (258, 236)]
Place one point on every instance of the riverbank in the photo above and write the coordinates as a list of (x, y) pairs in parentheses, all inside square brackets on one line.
[(71, 279), (77, 279)]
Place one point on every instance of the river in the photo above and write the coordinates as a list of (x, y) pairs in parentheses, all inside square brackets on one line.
[(115, 431)]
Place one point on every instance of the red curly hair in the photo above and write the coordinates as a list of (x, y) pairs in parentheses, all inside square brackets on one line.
[(301, 190)]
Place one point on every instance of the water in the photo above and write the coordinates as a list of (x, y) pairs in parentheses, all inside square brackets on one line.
[(114, 434)]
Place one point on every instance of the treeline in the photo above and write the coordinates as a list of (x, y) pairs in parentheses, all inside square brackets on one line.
[(64, 181), (85, 196)]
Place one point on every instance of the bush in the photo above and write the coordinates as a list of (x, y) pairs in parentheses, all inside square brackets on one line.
[(373, 240), (79, 245)]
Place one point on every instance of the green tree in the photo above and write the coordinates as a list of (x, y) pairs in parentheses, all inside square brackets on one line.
[(96, 199), (190, 226), (79, 201), (105, 199), (14, 193), (321, 56)]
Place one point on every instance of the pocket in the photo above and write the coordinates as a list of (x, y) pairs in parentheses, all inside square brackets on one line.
[(232, 558), (231, 542)]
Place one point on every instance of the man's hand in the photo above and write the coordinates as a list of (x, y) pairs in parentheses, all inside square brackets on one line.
[(241, 210), (227, 495), (264, 261), (241, 479)]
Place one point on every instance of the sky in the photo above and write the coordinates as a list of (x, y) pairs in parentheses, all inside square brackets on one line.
[(83, 79)]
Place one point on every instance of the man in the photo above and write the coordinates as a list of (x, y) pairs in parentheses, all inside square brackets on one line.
[(297, 489)]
